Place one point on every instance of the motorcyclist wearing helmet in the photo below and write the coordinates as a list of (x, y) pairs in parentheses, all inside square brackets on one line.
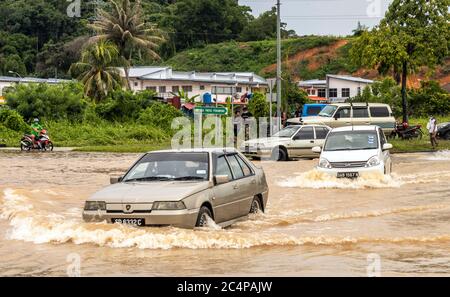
[(36, 128)]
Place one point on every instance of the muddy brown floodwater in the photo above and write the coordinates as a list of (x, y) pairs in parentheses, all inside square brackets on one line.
[(314, 226)]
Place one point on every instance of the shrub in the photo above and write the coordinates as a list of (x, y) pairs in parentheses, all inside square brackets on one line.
[(124, 105), (11, 119), (159, 115), (55, 102)]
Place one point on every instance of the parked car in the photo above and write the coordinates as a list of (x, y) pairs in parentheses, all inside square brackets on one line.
[(350, 152), (444, 131), (291, 142), (348, 114), (182, 188), (312, 109)]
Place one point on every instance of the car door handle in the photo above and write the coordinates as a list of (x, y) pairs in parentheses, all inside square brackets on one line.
[(235, 187), (311, 141), (253, 181)]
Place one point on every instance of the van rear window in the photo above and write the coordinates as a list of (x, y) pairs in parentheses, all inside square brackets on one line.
[(379, 112)]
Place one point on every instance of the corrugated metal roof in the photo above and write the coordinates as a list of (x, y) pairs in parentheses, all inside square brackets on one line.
[(312, 82), (350, 78), (166, 73), (32, 80)]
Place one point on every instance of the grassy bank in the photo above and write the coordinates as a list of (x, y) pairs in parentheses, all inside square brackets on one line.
[(136, 138)]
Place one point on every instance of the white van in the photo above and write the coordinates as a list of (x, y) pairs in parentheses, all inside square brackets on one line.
[(351, 114)]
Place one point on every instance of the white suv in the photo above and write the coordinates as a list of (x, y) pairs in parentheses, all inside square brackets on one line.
[(350, 152)]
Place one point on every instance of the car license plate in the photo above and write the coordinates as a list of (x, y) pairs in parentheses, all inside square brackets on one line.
[(347, 175), (134, 222)]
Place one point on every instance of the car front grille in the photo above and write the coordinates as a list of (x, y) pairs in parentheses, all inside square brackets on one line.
[(348, 164), (134, 211)]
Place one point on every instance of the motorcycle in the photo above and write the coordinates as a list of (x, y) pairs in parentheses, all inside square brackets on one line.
[(43, 143), (405, 131)]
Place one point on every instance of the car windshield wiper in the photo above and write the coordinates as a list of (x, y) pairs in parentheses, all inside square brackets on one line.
[(189, 178), (149, 178)]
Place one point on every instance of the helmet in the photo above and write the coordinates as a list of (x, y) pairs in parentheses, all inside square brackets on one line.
[(36, 120)]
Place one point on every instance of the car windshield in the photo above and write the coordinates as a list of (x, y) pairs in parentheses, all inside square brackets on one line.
[(287, 132), (170, 166), (328, 111), (351, 140)]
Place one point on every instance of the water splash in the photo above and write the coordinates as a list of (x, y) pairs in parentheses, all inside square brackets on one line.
[(33, 225), (315, 179), (439, 156)]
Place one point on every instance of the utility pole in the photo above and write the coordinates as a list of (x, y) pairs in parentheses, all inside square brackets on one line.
[(278, 64)]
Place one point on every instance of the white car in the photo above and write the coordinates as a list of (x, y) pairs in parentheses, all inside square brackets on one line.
[(350, 152), (291, 142)]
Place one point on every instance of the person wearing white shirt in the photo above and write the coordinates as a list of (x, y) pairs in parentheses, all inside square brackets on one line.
[(432, 129)]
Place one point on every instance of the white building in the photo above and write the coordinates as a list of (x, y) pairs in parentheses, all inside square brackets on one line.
[(335, 88), (165, 81), (8, 82)]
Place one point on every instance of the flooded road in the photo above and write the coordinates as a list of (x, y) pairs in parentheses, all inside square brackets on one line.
[(314, 225)]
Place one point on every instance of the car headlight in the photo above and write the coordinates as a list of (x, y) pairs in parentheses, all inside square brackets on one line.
[(95, 205), (323, 163), (374, 161), (168, 205)]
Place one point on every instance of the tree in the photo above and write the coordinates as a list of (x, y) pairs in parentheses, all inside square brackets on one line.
[(360, 29), (97, 70), (125, 27), (265, 27), (200, 22), (413, 33), (258, 106)]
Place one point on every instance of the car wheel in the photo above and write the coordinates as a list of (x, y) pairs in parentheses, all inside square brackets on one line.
[(202, 219), (280, 154), (256, 206)]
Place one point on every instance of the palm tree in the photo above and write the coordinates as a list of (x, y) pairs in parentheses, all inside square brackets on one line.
[(125, 27), (97, 70)]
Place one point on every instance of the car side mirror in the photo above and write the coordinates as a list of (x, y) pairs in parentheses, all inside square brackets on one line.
[(317, 149), (115, 179), (387, 146), (336, 117), (221, 179)]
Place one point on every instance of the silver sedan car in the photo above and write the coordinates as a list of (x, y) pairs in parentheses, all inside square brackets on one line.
[(183, 188)]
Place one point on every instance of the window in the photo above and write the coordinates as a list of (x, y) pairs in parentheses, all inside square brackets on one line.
[(235, 167), (247, 170), (314, 110), (322, 93), (343, 112), (187, 88), (151, 89), (305, 133), (175, 89), (360, 112), (321, 132), (379, 112), (136, 83), (155, 166), (162, 89), (223, 90), (202, 88), (346, 92), (222, 168), (359, 90), (238, 89), (333, 93)]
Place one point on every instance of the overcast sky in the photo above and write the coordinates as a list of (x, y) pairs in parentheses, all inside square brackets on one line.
[(324, 17)]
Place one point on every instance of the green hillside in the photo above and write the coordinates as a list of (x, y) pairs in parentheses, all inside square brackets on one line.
[(255, 56)]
